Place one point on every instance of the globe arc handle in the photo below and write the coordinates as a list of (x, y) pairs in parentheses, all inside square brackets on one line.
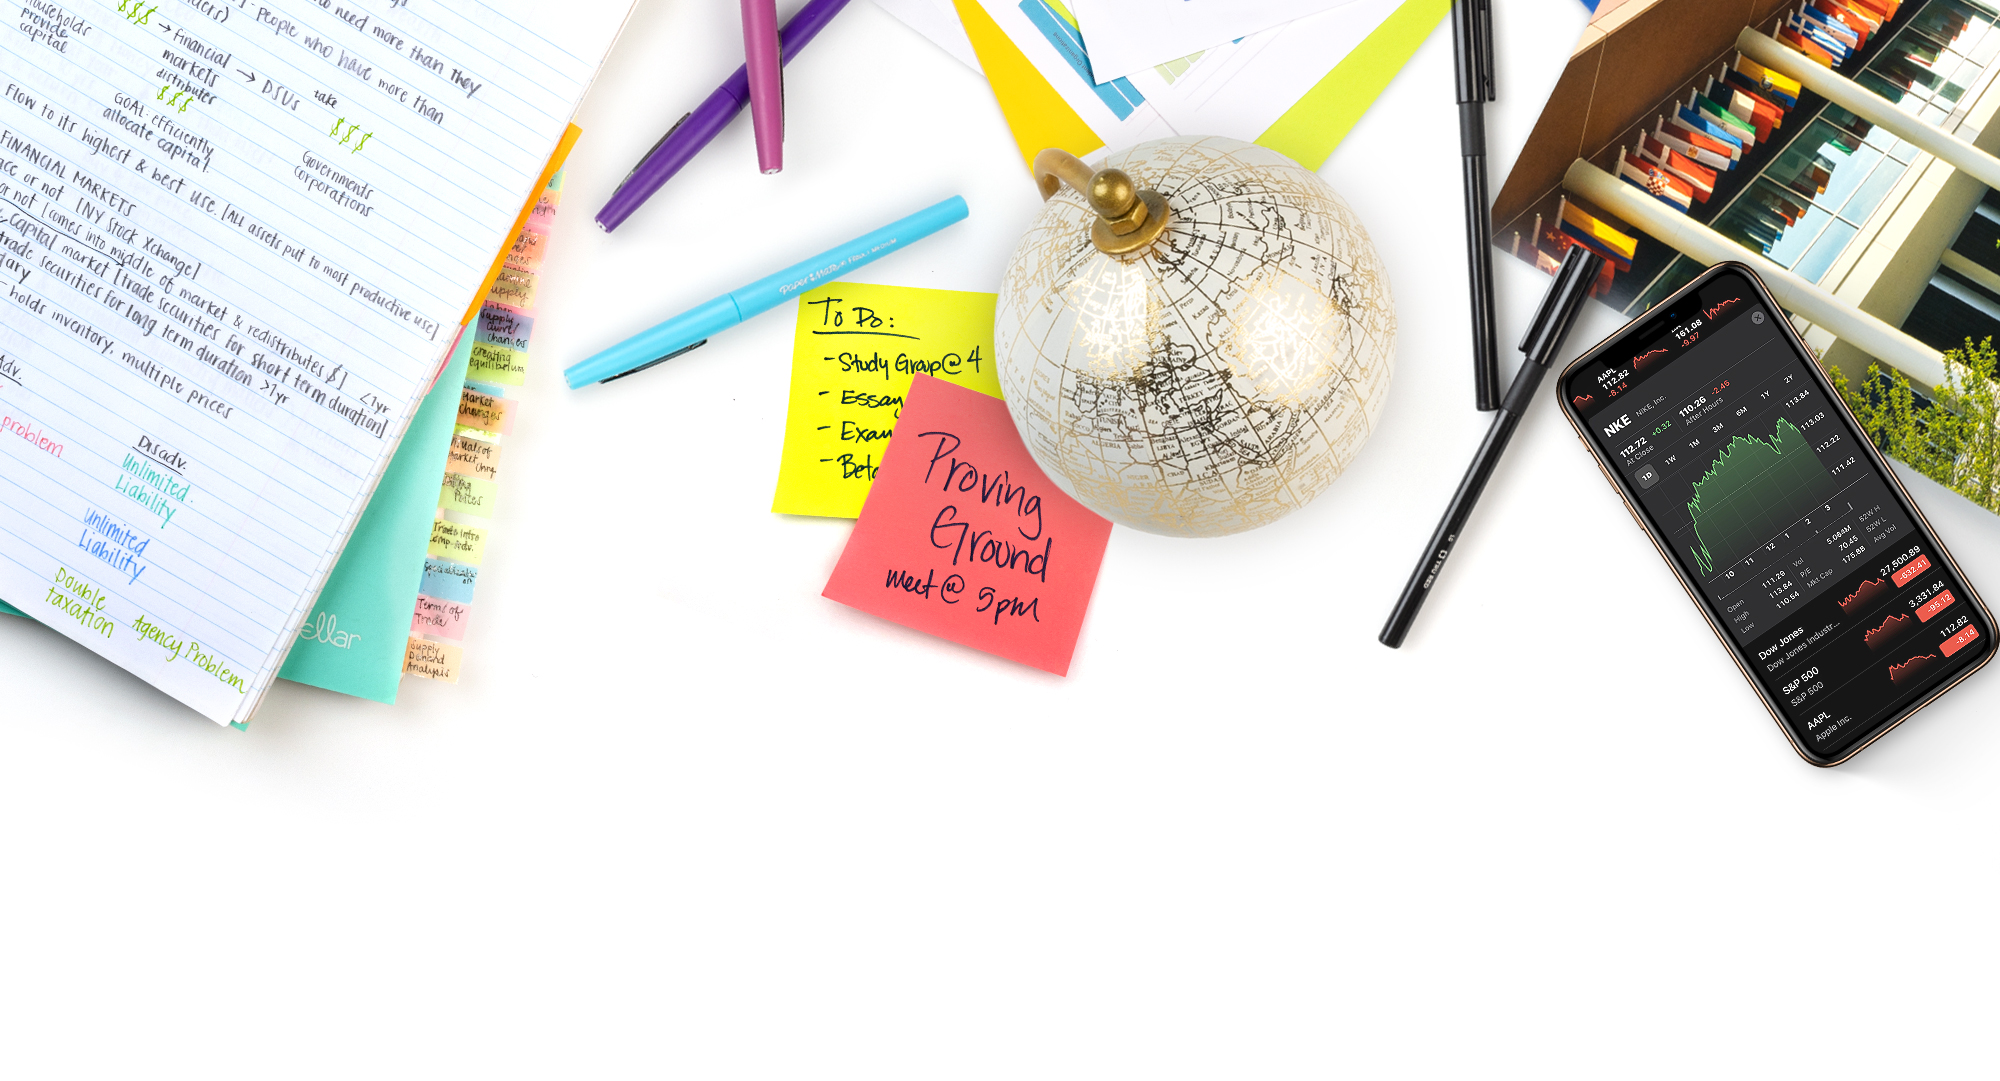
[(1129, 218), (1054, 168)]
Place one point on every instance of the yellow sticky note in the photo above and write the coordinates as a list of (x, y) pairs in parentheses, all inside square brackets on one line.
[(854, 352)]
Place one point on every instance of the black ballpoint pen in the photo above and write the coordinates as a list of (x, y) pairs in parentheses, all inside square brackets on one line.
[(1472, 47), (1544, 339)]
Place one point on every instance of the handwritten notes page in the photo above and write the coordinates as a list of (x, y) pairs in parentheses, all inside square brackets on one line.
[(237, 239), (966, 538), (854, 353), (471, 490)]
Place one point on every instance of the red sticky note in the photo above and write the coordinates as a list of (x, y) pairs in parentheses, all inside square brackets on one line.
[(963, 536)]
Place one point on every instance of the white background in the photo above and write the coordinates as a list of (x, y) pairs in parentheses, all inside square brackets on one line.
[(686, 818)]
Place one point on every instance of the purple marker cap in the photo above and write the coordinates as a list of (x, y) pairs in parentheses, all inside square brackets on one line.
[(697, 129)]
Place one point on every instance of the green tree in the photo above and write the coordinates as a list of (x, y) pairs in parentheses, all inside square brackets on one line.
[(1952, 436)]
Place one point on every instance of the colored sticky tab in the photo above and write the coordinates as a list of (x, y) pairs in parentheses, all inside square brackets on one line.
[(448, 579), (854, 351), (498, 364), (964, 537), (473, 457), (529, 248), (457, 542), (514, 288), (432, 660), (543, 216), (498, 326), (467, 494), (446, 619), (486, 412)]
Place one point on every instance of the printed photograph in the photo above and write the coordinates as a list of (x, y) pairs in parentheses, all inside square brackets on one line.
[(1845, 149)]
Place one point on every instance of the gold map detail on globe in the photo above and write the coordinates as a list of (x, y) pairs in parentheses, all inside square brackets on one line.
[(1219, 378)]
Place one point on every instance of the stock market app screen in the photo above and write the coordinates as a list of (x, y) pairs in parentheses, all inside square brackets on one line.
[(1763, 492)]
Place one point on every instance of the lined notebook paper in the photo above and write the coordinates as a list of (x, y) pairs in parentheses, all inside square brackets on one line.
[(238, 239)]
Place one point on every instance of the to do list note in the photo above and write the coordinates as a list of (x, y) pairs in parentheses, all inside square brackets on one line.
[(854, 353), (966, 538)]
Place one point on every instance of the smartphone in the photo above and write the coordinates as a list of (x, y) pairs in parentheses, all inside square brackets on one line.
[(1737, 457)]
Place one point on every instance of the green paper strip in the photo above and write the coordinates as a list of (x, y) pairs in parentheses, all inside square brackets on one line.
[(1316, 123)]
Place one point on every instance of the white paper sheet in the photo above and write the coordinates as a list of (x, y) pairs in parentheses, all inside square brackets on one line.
[(937, 21), (1127, 36), (1241, 89), (238, 238)]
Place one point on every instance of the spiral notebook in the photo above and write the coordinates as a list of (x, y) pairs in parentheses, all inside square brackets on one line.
[(240, 242)]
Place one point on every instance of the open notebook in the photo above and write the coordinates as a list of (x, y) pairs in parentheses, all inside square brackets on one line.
[(238, 241)]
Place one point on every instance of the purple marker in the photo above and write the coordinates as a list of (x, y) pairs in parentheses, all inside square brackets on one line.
[(697, 129), (767, 81)]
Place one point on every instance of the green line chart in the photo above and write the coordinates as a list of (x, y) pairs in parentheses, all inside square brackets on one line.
[(1754, 490)]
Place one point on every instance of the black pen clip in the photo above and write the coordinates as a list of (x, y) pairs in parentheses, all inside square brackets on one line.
[(1483, 30), (648, 155), (650, 363)]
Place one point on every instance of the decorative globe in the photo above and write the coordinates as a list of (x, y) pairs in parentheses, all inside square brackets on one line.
[(1220, 372)]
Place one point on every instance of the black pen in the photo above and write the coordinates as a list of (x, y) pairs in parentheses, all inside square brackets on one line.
[(1544, 339), (1472, 47)]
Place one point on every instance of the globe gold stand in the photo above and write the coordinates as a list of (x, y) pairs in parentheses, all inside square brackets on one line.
[(1129, 218)]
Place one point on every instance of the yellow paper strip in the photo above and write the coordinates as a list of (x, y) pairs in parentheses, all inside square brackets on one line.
[(1316, 123), (1037, 115)]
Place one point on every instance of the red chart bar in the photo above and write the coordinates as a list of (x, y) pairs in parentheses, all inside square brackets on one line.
[(1935, 605), (1910, 570), (1960, 640)]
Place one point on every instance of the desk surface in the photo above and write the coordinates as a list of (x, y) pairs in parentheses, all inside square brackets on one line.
[(684, 814)]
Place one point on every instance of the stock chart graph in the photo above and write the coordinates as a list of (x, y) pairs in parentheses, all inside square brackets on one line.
[(1764, 496), (1754, 488)]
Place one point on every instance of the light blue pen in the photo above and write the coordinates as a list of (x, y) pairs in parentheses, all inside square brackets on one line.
[(691, 328)]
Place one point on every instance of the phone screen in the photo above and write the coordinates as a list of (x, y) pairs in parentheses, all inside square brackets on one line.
[(1842, 607)]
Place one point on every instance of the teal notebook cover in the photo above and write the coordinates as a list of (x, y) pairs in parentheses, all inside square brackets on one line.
[(10, 610), (354, 640)]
